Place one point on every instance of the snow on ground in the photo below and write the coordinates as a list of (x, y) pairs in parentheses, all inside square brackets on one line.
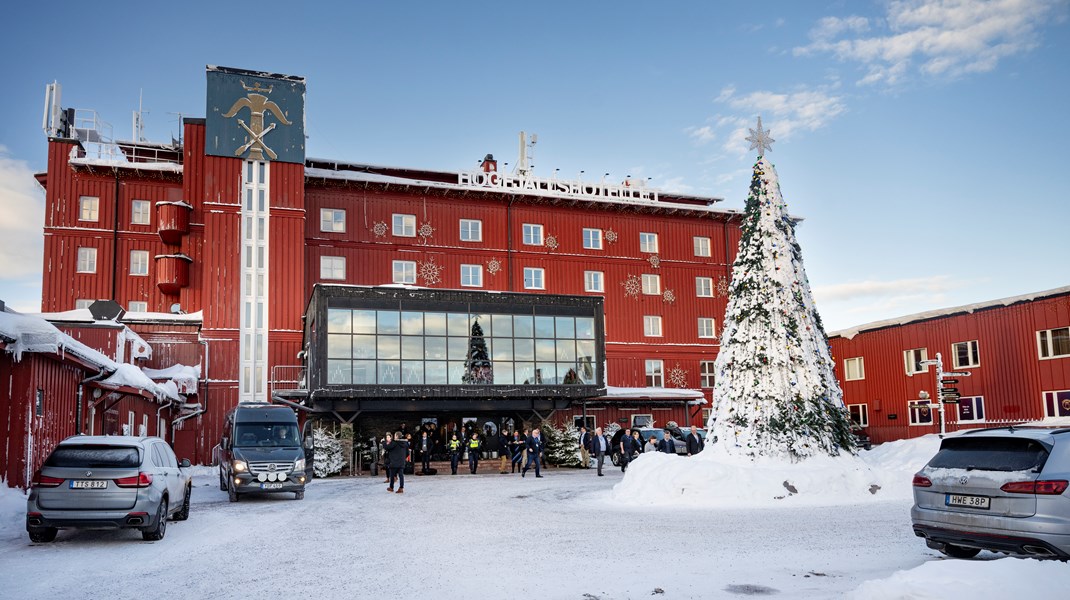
[(996, 579)]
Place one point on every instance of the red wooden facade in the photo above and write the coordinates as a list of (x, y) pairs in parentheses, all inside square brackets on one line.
[(1009, 377)]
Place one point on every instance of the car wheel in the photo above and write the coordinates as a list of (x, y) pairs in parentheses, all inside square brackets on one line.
[(157, 532), (42, 535), (299, 495), (615, 459), (232, 494), (959, 551), (222, 481), (183, 513)]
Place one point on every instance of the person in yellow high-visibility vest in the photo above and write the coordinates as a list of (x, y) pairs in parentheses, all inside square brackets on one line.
[(475, 446), (455, 449)]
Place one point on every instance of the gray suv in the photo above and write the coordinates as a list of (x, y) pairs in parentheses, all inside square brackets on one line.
[(1002, 489), (108, 482)]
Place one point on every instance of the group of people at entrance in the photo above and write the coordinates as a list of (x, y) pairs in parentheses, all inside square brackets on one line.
[(631, 444), (520, 450)]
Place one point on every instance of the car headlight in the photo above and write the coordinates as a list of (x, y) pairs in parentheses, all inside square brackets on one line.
[(299, 464), (239, 466)]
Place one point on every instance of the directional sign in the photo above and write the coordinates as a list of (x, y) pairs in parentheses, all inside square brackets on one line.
[(948, 390), (958, 374), (948, 381), (949, 396), (954, 400)]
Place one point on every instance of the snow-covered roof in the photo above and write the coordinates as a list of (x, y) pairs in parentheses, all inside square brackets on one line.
[(850, 332), (166, 167), (653, 393), (157, 317), (184, 376), (126, 375)]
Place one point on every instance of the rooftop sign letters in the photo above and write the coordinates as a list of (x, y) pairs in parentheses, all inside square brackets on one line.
[(255, 116), (554, 187)]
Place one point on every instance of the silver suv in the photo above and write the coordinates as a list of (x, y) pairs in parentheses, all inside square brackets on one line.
[(1002, 489), (108, 482)]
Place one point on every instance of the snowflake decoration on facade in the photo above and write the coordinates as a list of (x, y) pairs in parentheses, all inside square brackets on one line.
[(669, 296), (632, 286), (380, 229), (430, 272), (493, 266), (655, 261), (678, 376), (611, 236), (426, 231), (722, 286), (551, 242)]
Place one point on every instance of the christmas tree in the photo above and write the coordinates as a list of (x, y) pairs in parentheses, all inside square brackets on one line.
[(562, 446), (775, 392), (327, 458), (477, 367)]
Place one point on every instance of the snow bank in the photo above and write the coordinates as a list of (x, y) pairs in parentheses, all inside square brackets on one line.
[(715, 479), (976, 579), (12, 513)]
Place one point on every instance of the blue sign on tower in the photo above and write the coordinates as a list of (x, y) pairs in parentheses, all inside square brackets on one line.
[(255, 115)]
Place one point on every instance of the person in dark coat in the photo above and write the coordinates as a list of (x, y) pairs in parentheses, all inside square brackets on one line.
[(475, 446), (503, 450), (426, 445), (667, 444), (599, 448), (627, 448), (535, 446), (695, 443), (397, 450), (516, 451), (585, 448), (456, 448)]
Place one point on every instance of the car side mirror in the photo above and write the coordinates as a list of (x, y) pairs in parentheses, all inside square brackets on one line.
[(309, 442), (185, 464)]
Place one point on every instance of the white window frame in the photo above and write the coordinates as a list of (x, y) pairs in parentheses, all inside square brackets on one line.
[(403, 225), (333, 268), (594, 281), (707, 327), (1046, 345), (534, 278), (532, 234), (706, 370), (82, 303), (651, 284), (255, 308), (1051, 400), (857, 373), (333, 220), (592, 241), (972, 350), (471, 230), (130, 422), (140, 208), (584, 421), (916, 409), (471, 275), (863, 414), (704, 287), (138, 306), (89, 208), (974, 401), (642, 420), (651, 325), (407, 271), (910, 360), (654, 371), (139, 263), (86, 261), (702, 246), (648, 242)]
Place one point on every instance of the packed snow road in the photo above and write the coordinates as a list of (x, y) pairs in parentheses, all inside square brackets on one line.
[(483, 536)]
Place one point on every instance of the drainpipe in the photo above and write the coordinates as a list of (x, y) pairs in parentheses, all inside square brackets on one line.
[(158, 411), (115, 241), (78, 399)]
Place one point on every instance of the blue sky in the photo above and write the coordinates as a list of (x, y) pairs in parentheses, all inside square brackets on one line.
[(924, 142)]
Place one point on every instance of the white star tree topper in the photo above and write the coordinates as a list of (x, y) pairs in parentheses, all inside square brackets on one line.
[(759, 138)]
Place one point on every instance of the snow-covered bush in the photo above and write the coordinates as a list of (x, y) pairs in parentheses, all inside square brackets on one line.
[(562, 446), (328, 456)]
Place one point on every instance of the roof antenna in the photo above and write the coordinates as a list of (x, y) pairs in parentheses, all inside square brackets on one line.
[(138, 123), (527, 153)]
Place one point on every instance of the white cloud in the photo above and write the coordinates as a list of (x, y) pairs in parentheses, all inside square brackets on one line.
[(887, 290), (22, 206), (702, 135), (938, 38), (784, 114)]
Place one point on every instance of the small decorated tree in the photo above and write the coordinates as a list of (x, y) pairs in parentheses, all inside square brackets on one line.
[(562, 445), (477, 366), (328, 458)]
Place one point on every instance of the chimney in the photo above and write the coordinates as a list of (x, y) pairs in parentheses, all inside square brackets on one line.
[(489, 165)]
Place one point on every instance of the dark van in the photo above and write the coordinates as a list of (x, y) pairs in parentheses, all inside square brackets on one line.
[(261, 451)]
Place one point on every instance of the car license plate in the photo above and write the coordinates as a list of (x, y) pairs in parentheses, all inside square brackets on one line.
[(88, 484), (271, 486), (981, 502)]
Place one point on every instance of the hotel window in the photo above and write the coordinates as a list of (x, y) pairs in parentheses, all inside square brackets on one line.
[(704, 287), (532, 234), (471, 230), (584, 421), (972, 409), (139, 212), (139, 262), (138, 307), (82, 303), (592, 239), (87, 260), (333, 267), (859, 414), (651, 326), (648, 242), (1057, 403), (642, 420), (965, 354), (655, 373), (533, 278), (472, 275), (405, 225), (404, 271), (912, 360), (920, 413), (1054, 343), (651, 284), (706, 328), (702, 246), (88, 208), (593, 281), (333, 220), (854, 369), (705, 377)]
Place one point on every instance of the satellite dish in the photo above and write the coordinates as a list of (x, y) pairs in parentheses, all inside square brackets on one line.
[(176, 309)]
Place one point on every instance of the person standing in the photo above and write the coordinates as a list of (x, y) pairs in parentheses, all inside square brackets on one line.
[(695, 443), (535, 446), (425, 452), (627, 448), (585, 447), (599, 447), (455, 449), (396, 451), (524, 447), (503, 450), (516, 451), (475, 446), (667, 444), (651, 444)]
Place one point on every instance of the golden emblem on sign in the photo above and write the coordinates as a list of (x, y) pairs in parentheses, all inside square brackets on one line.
[(258, 104)]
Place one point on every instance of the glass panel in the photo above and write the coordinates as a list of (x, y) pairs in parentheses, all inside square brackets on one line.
[(435, 348), (458, 348), (412, 372), (259, 346), (585, 328), (566, 327), (364, 346), (524, 373), (412, 347), (544, 327), (567, 372), (524, 349), (484, 324), (503, 325), (338, 346), (412, 323), (585, 350), (364, 372), (456, 372), (503, 373), (566, 350), (338, 320), (435, 323), (503, 349), (338, 372), (389, 348), (585, 370), (363, 321), (458, 324), (523, 326), (545, 350), (389, 322), (546, 373), (389, 372), (435, 372)]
